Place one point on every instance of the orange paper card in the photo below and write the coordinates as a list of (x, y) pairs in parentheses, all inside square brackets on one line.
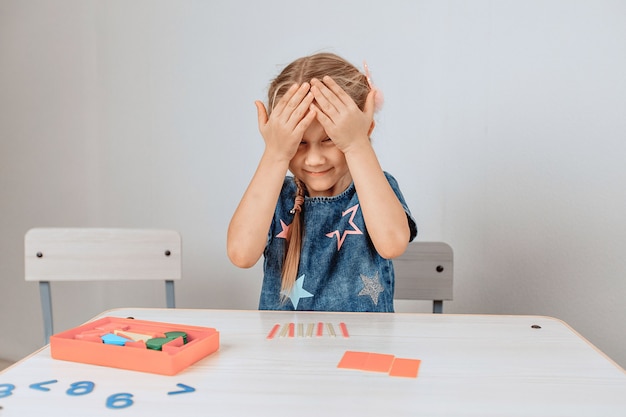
[(366, 361), (378, 362), (353, 360), (405, 367)]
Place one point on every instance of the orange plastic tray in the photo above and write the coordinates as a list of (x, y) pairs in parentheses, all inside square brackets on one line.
[(201, 342)]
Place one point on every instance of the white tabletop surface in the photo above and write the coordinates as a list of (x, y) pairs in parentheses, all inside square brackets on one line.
[(472, 365)]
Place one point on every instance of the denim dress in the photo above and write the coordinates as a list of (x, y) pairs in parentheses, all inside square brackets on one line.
[(339, 269)]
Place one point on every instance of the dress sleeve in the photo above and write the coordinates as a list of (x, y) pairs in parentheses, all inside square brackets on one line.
[(410, 218)]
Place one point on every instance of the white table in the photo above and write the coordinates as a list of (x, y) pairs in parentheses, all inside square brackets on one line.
[(472, 365)]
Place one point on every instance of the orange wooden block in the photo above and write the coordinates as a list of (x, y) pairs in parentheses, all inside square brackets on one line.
[(138, 344), (134, 335), (173, 346), (93, 337), (405, 367), (112, 327)]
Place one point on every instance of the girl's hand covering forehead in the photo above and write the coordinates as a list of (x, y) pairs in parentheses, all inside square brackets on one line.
[(344, 122)]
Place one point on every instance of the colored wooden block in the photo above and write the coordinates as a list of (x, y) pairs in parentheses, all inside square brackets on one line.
[(91, 336), (135, 336), (113, 339), (96, 338), (111, 327), (140, 344), (173, 345), (157, 343), (176, 334)]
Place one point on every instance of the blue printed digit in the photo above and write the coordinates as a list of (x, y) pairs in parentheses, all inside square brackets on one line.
[(6, 390), (80, 388), (121, 400)]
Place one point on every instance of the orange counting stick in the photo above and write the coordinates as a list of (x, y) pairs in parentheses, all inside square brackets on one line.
[(292, 328), (273, 332), (344, 329), (320, 329)]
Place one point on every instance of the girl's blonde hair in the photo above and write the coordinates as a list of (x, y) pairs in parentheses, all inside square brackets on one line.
[(299, 71)]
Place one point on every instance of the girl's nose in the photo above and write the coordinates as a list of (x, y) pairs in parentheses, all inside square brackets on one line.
[(314, 156)]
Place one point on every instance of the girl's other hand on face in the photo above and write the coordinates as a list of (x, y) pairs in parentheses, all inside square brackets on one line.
[(283, 129), (341, 118)]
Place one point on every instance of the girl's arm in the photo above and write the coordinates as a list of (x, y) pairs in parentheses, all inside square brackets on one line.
[(282, 133), (383, 213), (349, 128)]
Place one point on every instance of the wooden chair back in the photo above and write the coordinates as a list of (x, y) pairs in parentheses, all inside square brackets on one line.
[(100, 254), (425, 272)]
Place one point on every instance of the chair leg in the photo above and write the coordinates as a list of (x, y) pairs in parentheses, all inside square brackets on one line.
[(438, 306), (169, 294), (46, 307)]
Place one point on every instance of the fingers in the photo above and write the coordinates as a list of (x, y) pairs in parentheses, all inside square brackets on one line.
[(294, 103), (261, 113), (282, 129), (326, 99), (306, 121), (326, 122), (301, 109), (330, 96)]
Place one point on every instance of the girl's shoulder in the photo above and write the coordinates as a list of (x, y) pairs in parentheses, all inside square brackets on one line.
[(289, 185)]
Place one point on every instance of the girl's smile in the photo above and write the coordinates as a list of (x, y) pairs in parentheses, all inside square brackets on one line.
[(318, 173)]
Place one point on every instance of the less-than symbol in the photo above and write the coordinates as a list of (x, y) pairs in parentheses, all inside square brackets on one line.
[(40, 385)]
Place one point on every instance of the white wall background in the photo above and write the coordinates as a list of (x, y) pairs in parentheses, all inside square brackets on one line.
[(504, 122)]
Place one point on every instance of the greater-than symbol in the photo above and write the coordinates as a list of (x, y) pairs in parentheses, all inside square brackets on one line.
[(185, 389)]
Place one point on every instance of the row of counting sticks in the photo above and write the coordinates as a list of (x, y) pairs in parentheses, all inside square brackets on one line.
[(293, 329)]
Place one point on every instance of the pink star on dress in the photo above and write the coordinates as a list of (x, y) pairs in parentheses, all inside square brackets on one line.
[(356, 230), (285, 232)]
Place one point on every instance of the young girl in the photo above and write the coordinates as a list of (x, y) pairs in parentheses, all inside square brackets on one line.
[(328, 233)]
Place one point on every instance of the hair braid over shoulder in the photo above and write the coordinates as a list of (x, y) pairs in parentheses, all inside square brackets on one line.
[(294, 242)]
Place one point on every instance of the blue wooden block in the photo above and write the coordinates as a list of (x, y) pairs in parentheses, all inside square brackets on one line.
[(113, 339)]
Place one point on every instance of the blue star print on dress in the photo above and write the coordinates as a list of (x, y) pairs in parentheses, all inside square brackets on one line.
[(297, 292)]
